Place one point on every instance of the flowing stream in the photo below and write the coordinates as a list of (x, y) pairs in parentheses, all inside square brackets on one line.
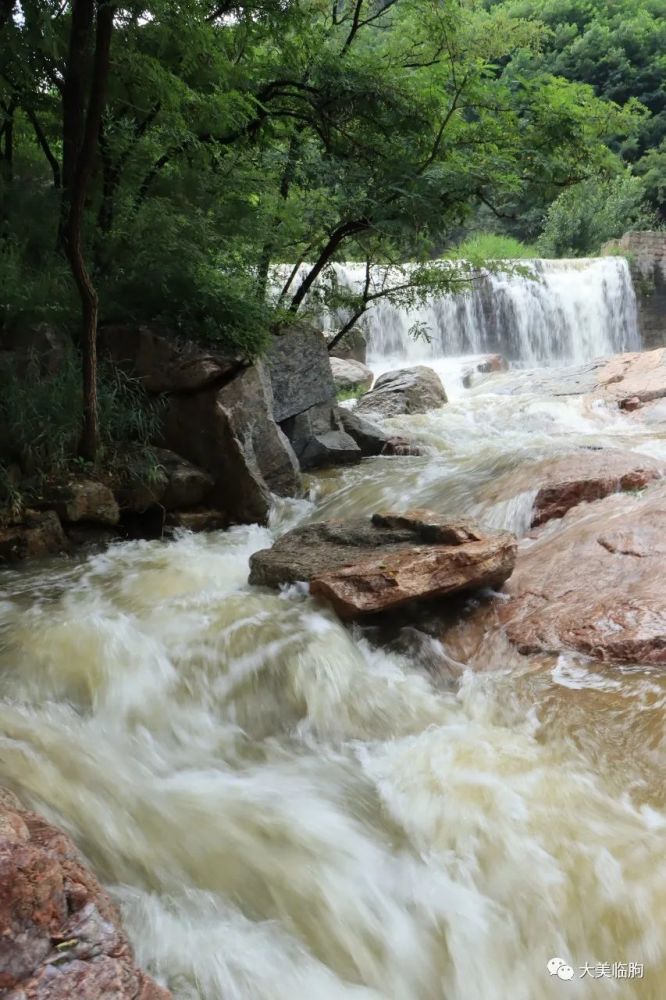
[(287, 809)]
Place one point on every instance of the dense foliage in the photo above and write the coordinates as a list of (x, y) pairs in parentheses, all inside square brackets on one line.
[(237, 138)]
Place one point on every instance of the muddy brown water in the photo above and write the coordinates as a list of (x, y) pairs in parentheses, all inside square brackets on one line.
[(286, 811)]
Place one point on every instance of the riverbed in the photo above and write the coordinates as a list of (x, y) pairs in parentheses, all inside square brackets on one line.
[(287, 810)]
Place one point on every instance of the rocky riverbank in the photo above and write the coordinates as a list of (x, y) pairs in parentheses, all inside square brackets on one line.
[(61, 937)]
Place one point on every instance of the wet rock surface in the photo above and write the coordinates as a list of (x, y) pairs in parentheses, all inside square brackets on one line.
[(625, 380), (319, 438), (564, 481), (484, 364), (406, 390), (595, 583), (590, 476), (60, 935), (373, 564), (372, 440)]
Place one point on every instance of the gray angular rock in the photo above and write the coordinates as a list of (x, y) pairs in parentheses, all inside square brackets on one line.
[(300, 371), (407, 390), (318, 438), (230, 432), (37, 534), (371, 439)]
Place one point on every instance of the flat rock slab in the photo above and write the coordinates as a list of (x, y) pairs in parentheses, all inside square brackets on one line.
[(406, 390), (596, 585), (373, 564), (628, 380), (587, 476)]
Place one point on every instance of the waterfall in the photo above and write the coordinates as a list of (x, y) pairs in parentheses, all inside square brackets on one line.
[(568, 312)]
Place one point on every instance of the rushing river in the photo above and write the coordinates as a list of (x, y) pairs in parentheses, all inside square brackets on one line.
[(286, 811)]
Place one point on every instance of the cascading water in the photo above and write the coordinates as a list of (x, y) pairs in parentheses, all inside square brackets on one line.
[(567, 312), (285, 808)]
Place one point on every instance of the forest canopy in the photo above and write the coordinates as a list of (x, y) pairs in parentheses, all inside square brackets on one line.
[(236, 138)]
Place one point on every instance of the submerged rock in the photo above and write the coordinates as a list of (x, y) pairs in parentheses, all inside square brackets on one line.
[(60, 934), (350, 376), (597, 584), (407, 390), (366, 565), (482, 365)]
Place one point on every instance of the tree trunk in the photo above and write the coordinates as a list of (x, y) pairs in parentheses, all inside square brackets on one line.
[(88, 131)]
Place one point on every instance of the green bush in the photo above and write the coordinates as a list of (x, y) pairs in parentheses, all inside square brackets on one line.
[(587, 215)]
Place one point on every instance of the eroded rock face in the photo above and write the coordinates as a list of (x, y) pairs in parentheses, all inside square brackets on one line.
[(407, 390), (368, 565), (597, 584), (60, 935), (36, 535), (165, 362), (350, 376)]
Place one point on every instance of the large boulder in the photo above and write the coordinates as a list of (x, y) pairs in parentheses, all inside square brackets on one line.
[(350, 376), (36, 535), (230, 432), (372, 440), (81, 500), (375, 564), (407, 390), (596, 585), (165, 362), (60, 935), (300, 371), (318, 438)]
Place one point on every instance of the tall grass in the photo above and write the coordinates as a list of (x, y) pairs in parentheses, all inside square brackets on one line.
[(488, 246), (40, 417)]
